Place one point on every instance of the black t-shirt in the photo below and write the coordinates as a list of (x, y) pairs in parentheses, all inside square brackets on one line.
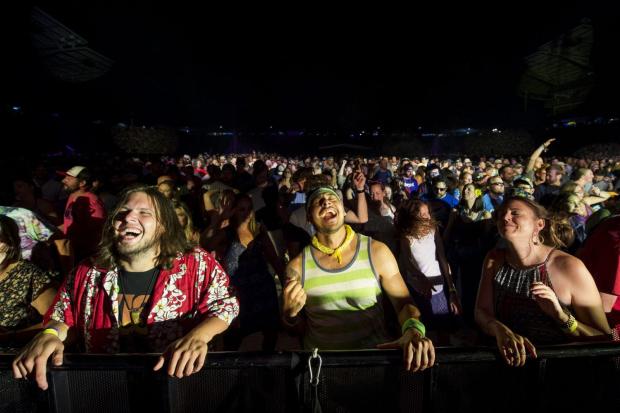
[(135, 288)]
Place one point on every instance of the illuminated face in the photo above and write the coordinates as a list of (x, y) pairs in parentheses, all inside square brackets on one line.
[(466, 178), (376, 193), (553, 177), (518, 222), (71, 183), (469, 191), (496, 185), (136, 227), (441, 189), (166, 189), (424, 213), (326, 213), (181, 216)]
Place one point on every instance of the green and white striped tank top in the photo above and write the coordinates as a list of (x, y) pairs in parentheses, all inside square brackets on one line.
[(343, 307)]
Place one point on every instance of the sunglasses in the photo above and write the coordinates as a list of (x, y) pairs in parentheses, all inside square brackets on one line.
[(440, 188)]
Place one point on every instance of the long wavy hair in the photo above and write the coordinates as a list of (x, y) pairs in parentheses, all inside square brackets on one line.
[(253, 225), (172, 240), (408, 222), (189, 229)]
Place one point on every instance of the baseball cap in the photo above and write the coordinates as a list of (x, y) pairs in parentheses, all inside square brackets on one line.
[(523, 179), (74, 171)]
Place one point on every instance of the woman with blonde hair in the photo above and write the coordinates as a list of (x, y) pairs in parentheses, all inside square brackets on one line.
[(185, 219), (531, 292)]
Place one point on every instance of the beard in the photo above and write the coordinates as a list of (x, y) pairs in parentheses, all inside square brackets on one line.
[(129, 251), (331, 230)]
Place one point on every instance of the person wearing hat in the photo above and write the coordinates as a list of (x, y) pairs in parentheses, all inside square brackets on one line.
[(495, 195), (524, 183), (84, 213), (334, 289)]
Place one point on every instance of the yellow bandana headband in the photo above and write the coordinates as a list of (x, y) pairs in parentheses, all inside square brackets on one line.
[(335, 252)]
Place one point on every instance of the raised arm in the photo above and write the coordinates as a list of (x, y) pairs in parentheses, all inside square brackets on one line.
[(361, 215), (536, 155)]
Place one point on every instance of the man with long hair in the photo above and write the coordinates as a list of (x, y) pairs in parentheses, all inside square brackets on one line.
[(146, 290), (339, 280)]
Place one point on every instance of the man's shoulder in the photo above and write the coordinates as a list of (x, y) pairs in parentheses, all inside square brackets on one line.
[(197, 256)]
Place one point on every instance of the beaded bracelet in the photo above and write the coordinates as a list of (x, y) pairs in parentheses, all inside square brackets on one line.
[(570, 326), (415, 324)]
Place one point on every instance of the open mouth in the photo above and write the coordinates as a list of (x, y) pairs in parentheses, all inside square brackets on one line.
[(329, 215), (129, 234)]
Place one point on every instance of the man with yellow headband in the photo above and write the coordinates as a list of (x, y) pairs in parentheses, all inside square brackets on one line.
[(339, 280)]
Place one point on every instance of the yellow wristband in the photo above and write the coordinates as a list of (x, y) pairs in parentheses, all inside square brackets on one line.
[(51, 331)]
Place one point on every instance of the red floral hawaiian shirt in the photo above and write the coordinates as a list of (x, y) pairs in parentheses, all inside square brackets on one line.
[(195, 288)]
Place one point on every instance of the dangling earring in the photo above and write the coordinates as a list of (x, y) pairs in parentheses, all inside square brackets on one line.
[(536, 239)]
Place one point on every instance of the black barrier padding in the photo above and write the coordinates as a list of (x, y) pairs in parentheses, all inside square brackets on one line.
[(20, 395), (482, 387), (92, 391), (581, 384), (368, 389), (245, 389), (564, 379)]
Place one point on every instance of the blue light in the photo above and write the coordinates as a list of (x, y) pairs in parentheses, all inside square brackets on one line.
[(16, 108)]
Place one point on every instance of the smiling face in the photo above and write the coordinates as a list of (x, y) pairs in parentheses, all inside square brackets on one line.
[(469, 191), (424, 213), (466, 178), (136, 227), (517, 222), (326, 213), (376, 192)]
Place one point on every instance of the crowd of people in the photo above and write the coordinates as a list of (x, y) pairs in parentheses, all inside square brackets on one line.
[(180, 255)]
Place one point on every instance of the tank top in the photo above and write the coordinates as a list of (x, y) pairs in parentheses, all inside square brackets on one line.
[(423, 251), (343, 307), (516, 307)]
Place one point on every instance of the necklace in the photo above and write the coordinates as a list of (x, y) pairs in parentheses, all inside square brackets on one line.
[(136, 311), (335, 252)]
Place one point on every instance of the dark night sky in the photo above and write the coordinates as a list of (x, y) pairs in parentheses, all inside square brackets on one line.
[(306, 68)]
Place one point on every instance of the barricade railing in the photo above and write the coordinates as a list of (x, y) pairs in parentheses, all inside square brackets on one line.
[(567, 378)]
